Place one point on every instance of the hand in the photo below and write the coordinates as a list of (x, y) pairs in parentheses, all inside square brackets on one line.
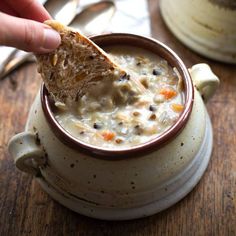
[(21, 26)]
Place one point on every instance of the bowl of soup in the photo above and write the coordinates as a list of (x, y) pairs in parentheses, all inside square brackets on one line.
[(130, 147)]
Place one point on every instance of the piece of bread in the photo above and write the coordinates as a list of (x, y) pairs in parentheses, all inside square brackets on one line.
[(75, 65)]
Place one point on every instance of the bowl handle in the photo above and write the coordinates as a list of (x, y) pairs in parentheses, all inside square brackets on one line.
[(27, 152), (205, 81)]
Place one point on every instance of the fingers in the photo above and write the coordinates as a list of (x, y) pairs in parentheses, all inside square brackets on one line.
[(27, 35), (30, 9), (4, 7)]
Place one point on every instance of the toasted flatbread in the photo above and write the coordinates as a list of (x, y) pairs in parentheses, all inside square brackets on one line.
[(75, 65)]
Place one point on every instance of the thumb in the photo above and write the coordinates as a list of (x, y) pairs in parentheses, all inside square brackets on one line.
[(27, 35)]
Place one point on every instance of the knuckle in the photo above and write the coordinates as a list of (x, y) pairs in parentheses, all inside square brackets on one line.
[(30, 34)]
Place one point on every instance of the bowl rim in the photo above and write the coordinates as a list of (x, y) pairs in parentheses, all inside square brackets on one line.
[(143, 148)]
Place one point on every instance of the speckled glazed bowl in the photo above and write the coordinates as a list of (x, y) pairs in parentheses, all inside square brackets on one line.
[(206, 26), (121, 184)]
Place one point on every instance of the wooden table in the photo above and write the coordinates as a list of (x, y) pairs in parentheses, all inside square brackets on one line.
[(25, 209)]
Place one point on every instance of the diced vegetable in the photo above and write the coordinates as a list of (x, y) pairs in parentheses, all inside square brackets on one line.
[(177, 107), (108, 135), (168, 93)]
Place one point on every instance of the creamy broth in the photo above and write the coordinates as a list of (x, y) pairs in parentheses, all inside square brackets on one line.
[(130, 110)]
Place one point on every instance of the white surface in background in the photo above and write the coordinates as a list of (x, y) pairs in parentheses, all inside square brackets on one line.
[(131, 16)]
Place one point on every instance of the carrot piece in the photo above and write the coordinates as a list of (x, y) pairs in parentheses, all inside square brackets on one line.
[(108, 135), (177, 107), (168, 93)]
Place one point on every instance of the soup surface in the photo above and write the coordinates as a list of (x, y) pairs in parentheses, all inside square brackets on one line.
[(130, 110)]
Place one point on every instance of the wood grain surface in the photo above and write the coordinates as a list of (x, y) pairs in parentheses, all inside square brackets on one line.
[(25, 209)]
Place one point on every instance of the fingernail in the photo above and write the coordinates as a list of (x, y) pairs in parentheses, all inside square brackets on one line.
[(51, 39)]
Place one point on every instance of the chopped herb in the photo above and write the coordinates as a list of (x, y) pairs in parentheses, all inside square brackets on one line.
[(177, 107)]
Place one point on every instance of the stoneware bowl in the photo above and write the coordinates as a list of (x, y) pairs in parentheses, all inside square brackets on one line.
[(128, 184), (206, 26)]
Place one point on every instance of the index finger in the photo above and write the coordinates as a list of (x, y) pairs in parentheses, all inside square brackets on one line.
[(30, 9)]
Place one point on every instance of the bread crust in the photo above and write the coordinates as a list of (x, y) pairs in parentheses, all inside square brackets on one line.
[(75, 65)]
